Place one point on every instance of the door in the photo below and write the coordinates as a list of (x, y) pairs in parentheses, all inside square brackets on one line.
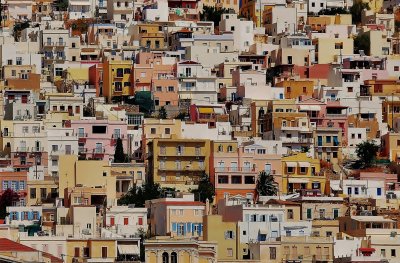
[(112, 221), (234, 166), (104, 252)]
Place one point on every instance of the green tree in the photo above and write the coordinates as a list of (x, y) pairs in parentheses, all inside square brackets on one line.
[(18, 27), (210, 13), (62, 5), (362, 42), (138, 195), (333, 11), (162, 113), (356, 10), (7, 199), (266, 185), (119, 155), (205, 189), (366, 152)]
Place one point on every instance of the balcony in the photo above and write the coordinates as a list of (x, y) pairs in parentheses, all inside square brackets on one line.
[(336, 116), (297, 140), (82, 137), (234, 169), (183, 154), (180, 169), (22, 149), (37, 149), (54, 44), (82, 150), (99, 151)]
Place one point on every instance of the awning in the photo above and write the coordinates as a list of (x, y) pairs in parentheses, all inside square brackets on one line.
[(263, 231), (310, 108), (291, 164), (304, 164), (72, 3), (298, 181), (390, 183), (219, 111), (206, 110), (128, 249), (294, 227), (336, 187)]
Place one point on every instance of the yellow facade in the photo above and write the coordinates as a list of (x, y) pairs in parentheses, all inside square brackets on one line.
[(227, 4), (296, 88), (117, 79), (41, 191), (391, 146), (88, 173), (302, 172), (328, 49), (151, 36), (178, 162), (250, 10), (102, 249), (80, 75), (215, 230), (7, 128)]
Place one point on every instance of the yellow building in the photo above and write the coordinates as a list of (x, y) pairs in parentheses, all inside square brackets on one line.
[(227, 4), (294, 249), (329, 144), (217, 231), (86, 173), (166, 249), (117, 79), (252, 10), (96, 249), (296, 88), (301, 172), (178, 163), (383, 87), (327, 49), (318, 23), (42, 191), (149, 35), (391, 146)]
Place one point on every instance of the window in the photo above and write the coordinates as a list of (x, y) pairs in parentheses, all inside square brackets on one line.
[(290, 214), (43, 193), (339, 45), (309, 213), (335, 213), (174, 257), (118, 86), (25, 129), (229, 252), (153, 130), (229, 234), (165, 257), (167, 131), (86, 252), (396, 68), (126, 221), (393, 252), (19, 60), (290, 170), (303, 170), (378, 191), (349, 89), (272, 253), (236, 179), (322, 213), (223, 179), (304, 89), (349, 190), (383, 253), (32, 193)]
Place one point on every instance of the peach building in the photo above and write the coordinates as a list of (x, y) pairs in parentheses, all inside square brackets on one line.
[(179, 216), (235, 168)]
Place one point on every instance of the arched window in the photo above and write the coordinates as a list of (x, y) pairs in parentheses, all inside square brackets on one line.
[(230, 148), (165, 257), (174, 257), (220, 148)]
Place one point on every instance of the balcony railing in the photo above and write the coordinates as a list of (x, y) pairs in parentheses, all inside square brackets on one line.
[(235, 169), (99, 150), (37, 149)]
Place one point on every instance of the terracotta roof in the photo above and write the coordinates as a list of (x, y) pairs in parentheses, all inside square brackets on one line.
[(188, 62), (10, 246)]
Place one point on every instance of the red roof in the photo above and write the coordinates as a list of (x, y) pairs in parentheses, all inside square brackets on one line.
[(188, 62), (367, 249), (8, 245)]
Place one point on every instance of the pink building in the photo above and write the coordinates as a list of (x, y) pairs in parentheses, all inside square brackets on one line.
[(325, 114), (391, 180), (235, 169), (97, 138)]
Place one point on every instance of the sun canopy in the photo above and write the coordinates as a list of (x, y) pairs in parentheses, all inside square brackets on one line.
[(128, 249)]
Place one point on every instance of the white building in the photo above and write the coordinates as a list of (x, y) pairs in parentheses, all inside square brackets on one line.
[(78, 9), (23, 215), (242, 30), (126, 221), (361, 188)]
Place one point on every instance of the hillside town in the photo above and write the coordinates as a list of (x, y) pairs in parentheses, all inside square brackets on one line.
[(200, 131)]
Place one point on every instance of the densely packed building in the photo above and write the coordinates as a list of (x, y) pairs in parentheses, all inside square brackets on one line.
[(200, 131)]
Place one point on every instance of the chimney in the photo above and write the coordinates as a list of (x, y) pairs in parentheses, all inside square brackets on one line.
[(207, 212)]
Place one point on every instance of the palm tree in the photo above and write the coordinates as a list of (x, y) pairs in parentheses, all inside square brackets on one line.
[(266, 185)]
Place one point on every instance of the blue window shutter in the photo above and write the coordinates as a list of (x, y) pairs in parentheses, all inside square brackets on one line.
[(30, 215), (4, 185), (193, 229), (16, 186), (173, 227), (201, 229), (189, 227), (16, 215)]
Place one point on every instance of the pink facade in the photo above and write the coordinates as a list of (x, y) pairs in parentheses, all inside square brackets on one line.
[(236, 172), (391, 180), (326, 114), (97, 138)]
